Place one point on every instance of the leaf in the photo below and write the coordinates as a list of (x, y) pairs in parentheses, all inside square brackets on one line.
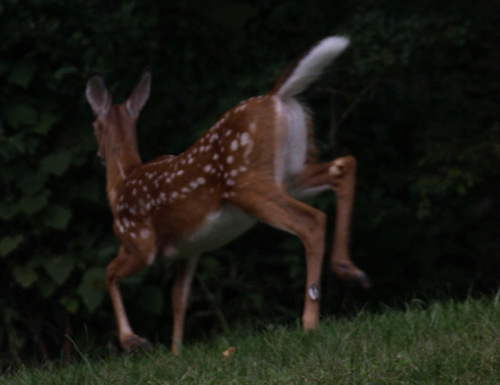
[(58, 217), (33, 204), (25, 275), (92, 289), (46, 287), (9, 244), (3, 67), (7, 210), (46, 122), (59, 268), (22, 74), (31, 183), (20, 114), (71, 304), (63, 71), (56, 163)]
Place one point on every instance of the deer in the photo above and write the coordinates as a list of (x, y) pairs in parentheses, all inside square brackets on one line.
[(258, 162)]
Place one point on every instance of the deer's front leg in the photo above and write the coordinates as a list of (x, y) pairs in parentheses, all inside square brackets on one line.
[(340, 176), (122, 266)]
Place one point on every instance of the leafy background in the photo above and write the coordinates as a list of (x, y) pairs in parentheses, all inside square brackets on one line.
[(416, 99)]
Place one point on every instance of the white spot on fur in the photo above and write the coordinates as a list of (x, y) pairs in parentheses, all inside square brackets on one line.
[(249, 149), (120, 226), (230, 159), (245, 138), (241, 107), (112, 195), (234, 145), (145, 233), (120, 167)]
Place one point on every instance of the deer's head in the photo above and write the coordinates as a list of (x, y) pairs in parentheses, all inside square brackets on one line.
[(115, 125)]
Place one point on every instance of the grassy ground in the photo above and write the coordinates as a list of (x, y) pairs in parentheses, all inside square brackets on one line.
[(452, 343)]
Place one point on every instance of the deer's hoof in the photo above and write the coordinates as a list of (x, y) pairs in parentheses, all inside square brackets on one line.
[(350, 274), (136, 343), (363, 280)]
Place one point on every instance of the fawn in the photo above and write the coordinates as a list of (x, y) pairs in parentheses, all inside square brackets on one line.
[(255, 163)]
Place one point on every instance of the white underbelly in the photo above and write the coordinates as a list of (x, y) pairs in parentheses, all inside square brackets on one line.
[(219, 228)]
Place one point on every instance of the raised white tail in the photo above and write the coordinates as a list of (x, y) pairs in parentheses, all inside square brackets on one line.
[(242, 170), (310, 67)]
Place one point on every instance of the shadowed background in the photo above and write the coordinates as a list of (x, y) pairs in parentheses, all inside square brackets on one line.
[(416, 99)]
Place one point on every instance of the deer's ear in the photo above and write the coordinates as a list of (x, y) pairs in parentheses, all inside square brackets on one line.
[(140, 94), (97, 94)]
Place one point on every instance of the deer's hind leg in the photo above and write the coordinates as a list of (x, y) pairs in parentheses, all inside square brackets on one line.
[(273, 206), (340, 176)]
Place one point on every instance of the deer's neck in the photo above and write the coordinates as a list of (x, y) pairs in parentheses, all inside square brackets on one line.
[(121, 159)]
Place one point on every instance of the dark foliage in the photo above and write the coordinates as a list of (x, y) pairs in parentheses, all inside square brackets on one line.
[(416, 99)]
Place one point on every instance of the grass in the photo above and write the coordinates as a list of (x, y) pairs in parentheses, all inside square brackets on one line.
[(442, 343)]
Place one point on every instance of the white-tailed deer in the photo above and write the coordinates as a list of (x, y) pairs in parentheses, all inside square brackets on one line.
[(253, 164)]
